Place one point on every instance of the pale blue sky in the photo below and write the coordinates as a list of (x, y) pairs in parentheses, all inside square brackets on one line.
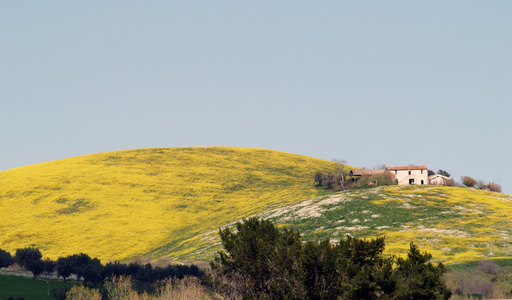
[(372, 82)]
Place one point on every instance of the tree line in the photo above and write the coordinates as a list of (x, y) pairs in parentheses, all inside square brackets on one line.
[(91, 270), (338, 181)]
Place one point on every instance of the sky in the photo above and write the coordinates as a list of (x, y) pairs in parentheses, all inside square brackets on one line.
[(369, 82)]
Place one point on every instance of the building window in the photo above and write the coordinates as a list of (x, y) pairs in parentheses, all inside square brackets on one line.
[(409, 172), (411, 181), (422, 173), (422, 182), (396, 171)]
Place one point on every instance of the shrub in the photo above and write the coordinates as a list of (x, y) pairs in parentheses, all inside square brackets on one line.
[(494, 187), (449, 182), (60, 293), (121, 288), (83, 293), (468, 181), (488, 266), (386, 178)]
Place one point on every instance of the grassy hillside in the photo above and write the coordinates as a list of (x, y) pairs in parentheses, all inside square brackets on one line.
[(147, 202), (457, 225)]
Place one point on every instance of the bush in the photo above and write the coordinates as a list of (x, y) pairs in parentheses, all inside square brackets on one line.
[(488, 266), (468, 181), (449, 182), (82, 293), (494, 187), (60, 293), (386, 178)]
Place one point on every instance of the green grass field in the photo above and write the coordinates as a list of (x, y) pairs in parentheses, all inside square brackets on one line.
[(30, 289)]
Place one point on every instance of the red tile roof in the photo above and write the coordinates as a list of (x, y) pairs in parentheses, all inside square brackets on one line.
[(366, 172), (406, 168)]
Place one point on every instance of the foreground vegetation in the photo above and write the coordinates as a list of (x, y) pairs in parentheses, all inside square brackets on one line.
[(147, 202), (260, 261)]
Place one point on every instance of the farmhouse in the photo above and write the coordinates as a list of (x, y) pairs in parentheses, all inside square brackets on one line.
[(404, 174), (409, 174)]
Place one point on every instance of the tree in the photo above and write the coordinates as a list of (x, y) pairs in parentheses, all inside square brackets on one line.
[(319, 177), (5, 259), (30, 259), (261, 261), (468, 181), (444, 173), (430, 173), (419, 278), (48, 266), (329, 181), (65, 267), (92, 272), (341, 167)]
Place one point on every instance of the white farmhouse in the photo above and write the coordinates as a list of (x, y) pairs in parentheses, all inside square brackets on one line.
[(410, 174)]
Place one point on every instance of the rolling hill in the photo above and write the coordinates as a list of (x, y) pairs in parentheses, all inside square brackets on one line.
[(170, 202), (146, 202)]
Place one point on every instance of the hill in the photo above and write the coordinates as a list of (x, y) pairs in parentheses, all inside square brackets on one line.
[(146, 202), (170, 202)]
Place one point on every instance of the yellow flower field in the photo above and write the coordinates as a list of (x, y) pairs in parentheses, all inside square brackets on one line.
[(146, 202)]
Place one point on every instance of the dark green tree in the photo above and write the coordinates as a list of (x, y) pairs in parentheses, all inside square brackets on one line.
[(261, 261), (30, 259), (319, 179), (366, 274), (418, 278), (92, 272), (321, 261), (48, 266), (444, 173), (65, 267), (5, 259)]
